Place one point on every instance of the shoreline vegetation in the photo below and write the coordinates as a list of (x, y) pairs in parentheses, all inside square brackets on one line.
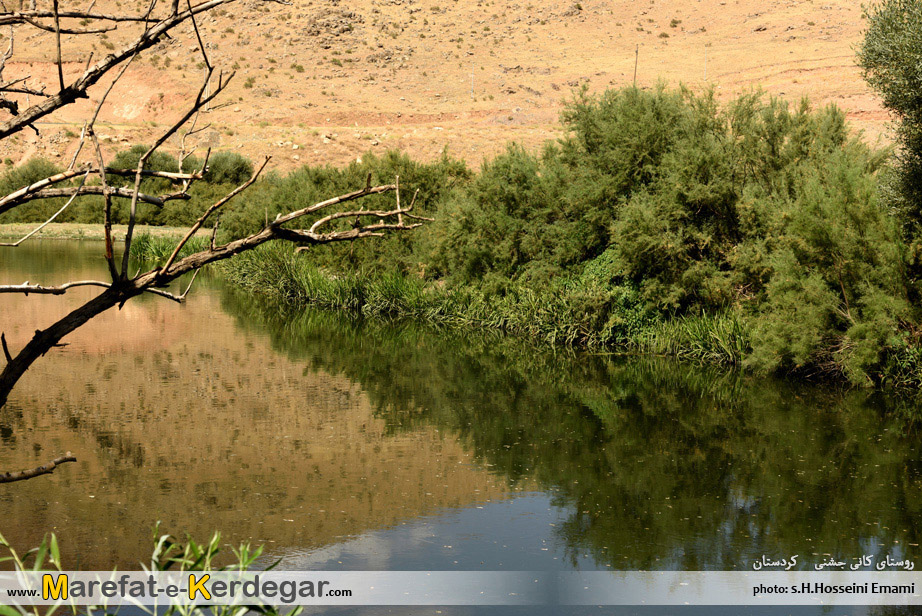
[(753, 233)]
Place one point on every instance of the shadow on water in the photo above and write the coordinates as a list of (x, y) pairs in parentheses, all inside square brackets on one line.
[(660, 465)]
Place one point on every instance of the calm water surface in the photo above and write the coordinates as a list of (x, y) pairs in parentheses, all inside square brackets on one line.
[(340, 445)]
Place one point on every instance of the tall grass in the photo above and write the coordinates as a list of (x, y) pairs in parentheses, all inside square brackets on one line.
[(719, 339), (569, 315), (156, 248)]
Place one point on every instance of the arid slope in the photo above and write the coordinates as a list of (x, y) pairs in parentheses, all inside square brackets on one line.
[(323, 81)]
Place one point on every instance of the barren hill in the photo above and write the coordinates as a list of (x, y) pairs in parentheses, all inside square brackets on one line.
[(322, 81)]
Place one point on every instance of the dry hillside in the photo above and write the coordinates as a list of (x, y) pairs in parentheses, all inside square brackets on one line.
[(322, 81)]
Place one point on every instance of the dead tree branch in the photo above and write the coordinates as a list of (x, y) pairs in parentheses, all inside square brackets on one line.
[(44, 469), (26, 288), (78, 88), (53, 216), (122, 287), (211, 210), (154, 280), (19, 17)]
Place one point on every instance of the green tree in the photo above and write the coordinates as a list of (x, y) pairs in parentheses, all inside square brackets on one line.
[(891, 57)]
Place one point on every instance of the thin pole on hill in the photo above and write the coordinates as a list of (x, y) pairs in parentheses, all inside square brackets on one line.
[(636, 56)]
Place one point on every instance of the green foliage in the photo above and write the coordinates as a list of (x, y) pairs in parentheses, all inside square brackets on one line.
[(24, 175), (228, 168), (749, 232), (157, 248), (309, 185), (755, 207), (169, 554), (891, 58)]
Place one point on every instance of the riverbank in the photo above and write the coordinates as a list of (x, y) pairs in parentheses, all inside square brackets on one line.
[(580, 314), (91, 232), (751, 233)]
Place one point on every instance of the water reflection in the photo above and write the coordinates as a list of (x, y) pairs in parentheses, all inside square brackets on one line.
[(175, 414), (370, 445), (659, 465)]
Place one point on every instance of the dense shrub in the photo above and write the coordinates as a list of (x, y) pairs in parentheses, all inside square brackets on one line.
[(891, 58), (308, 185), (768, 211), (228, 168), (748, 232), (18, 177)]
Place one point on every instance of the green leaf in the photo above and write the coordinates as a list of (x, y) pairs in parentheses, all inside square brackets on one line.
[(55, 552)]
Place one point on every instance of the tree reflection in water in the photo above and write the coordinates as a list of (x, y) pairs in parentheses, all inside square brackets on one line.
[(665, 465)]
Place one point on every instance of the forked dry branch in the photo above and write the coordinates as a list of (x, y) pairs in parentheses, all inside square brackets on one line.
[(154, 22)]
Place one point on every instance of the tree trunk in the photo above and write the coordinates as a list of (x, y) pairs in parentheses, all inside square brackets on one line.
[(44, 340)]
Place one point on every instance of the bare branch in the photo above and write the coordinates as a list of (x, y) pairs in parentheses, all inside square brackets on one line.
[(58, 29), (362, 213), (200, 100), (78, 88), (120, 291), (18, 17), (368, 190), (176, 298), (198, 223), (105, 95), (6, 349), (10, 105), (23, 194), (53, 216), (8, 54), (13, 88), (35, 472), (201, 45), (26, 288), (176, 177), (73, 160), (38, 190), (107, 208), (125, 193), (23, 90), (57, 36)]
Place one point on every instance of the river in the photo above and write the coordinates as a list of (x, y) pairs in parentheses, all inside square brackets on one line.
[(339, 445)]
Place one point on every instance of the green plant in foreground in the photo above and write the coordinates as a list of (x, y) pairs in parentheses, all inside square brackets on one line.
[(169, 554)]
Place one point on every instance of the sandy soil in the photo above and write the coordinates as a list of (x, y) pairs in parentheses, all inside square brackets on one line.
[(322, 81)]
